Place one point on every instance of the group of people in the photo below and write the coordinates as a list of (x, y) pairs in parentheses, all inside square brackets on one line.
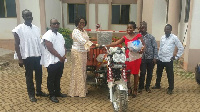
[(163, 58), (150, 56), (32, 51), (49, 51)]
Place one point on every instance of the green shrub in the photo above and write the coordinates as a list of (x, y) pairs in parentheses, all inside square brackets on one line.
[(66, 34)]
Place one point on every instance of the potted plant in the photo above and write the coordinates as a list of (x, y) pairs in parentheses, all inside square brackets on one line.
[(68, 40)]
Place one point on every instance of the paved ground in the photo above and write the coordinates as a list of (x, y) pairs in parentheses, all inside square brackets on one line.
[(13, 95), (5, 51)]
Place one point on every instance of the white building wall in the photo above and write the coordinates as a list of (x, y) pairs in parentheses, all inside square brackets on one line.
[(53, 10), (92, 18), (34, 7), (103, 12), (133, 12), (7, 24), (159, 18), (147, 13), (10, 23), (194, 33), (119, 27)]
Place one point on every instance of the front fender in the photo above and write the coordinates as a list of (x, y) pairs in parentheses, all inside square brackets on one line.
[(122, 87)]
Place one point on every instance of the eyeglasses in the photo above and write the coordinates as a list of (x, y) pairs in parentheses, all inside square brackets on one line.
[(55, 23), (82, 22)]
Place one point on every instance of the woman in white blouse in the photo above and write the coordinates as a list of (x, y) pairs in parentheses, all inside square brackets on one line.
[(79, 50)]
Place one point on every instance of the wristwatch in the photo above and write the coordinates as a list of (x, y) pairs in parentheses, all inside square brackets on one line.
[(176, 57)]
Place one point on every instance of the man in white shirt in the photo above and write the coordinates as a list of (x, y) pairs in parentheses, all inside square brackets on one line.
[(165, 57), (28, 52), (53, 57)]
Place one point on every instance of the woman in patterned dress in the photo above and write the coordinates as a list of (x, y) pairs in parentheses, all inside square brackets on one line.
[(79, 59), (133, 66)]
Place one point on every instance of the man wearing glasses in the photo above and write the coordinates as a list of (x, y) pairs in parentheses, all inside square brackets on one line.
[(53, 57)]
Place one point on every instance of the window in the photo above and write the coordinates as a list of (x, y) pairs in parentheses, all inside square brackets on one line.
[(187, 11), (167, 2), (7, 8), (180, 11), (76, 10), (120, 14)]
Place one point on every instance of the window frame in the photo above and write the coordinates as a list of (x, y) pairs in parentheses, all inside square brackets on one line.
[(6, 13), (187, 11), (121, 14), (167, 9), (76, 9)]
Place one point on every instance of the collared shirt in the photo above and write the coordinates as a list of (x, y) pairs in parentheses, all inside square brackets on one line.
[(79, 40), (29, 41), (58, 44), (151, 51), (167, 46)]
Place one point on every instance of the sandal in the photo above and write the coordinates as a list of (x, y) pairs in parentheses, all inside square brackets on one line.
[(134, 93), (129, 91)]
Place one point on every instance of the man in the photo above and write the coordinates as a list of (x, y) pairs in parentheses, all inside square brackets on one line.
[(165, 57), (53, 57), (148, 58), (27, 46)]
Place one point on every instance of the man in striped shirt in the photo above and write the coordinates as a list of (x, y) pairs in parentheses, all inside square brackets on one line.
[(166, 57)]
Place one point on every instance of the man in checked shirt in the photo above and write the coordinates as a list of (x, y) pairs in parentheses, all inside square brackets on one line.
[(148, 58), (166, 57)]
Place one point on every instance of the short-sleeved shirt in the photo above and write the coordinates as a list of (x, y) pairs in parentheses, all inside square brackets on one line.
[(29, 40), (134, 66), (58, 44)]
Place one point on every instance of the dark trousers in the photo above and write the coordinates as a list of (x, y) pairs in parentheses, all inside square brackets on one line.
[(55, 72), (170, 73), (33, 63), (147, 65)]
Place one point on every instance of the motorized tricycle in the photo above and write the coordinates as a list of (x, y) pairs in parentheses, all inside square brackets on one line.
[(115, 73)]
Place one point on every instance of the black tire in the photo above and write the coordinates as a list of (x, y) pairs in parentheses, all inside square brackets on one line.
[(198, 81), (120, 103), (197, 77)]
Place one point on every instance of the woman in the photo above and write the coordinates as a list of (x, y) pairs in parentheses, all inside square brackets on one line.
[(133, 66), (79, 59)]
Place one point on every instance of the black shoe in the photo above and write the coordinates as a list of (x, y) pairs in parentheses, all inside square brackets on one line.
[(54, 99), (156, 87), (148, 90), (33, 99), (61, 95), (139, 90), (42, 94), (169, 91)]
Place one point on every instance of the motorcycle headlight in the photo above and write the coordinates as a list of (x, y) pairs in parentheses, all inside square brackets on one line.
[(119, 57)]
